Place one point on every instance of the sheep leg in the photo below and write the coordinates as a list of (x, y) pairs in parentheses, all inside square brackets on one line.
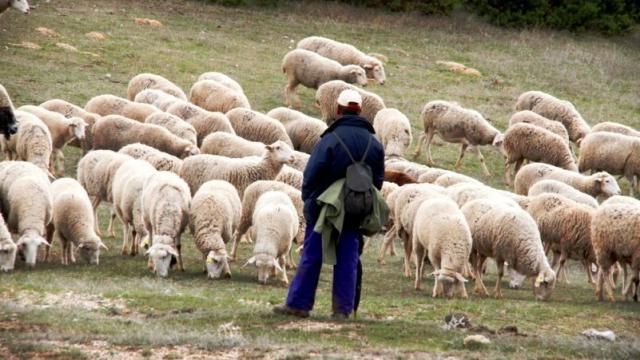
[(420, 255), (408, 247), (392, 249), (436, 285), (125, 238), (430, 135), (484, 165), (284, 270), (421, 141), (60, 162), (507, 176), (50, 231), (388, 238), (293, 101), (71, 254), (559, 266), (95, 202), (463, 148), (180, 265), (112, 218), (133, 251), (500, 266), (56, 235), (234, 247), (599, 284), (463, 290), (480, 289), (204, 263), (587, 267)]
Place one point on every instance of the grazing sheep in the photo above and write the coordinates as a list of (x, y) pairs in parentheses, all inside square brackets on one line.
[(291, 176), (304, 131), (312, 70), (222, 79), (145, 81), (114, 132), (205, 122), (441, 231), (175, 125), (398, 177), (555, 109), (165, 210), (465, 192), (157, 98), (8, 124), (432, 174), (327, 101), (26, 205), (507, 233), (113, 105), (126, 191), (565, 228), (275, 224), (62, 131), (598, 184), (456, 124), (452, 178), (32, 142), (523, 141), (614, 153), (158, 159), (613, 241), (529, 117), (256, 126), (214, 217), (390, 194), (70, 110), (20, 5), (8, 248), (214, 96), (609, 126), (550, 186), (241, 172), (345, 54), (74, 222), (407, 167), (394, 130)]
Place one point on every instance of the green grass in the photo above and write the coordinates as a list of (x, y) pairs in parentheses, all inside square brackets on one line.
[(122, 304)]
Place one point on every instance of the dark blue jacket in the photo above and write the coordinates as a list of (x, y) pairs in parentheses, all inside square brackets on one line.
[(329, 160)]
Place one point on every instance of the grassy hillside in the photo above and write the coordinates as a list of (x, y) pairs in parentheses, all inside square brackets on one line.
[(120, 309)]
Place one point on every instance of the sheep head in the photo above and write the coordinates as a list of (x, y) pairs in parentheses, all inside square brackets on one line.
[(266, 264), (78, 127), (280, 152), (89, 251), (449, 280), (8, 124), (375, 71), (28, 244), (218, 264), (544, 284), (606, 184), (162, 255)]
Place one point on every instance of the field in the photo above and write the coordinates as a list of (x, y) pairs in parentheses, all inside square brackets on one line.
[(121, 310)]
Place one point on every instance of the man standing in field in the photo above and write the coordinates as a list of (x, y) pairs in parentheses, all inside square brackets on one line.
[(348, 140)]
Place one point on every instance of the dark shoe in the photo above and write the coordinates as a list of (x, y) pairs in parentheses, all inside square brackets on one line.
[(286, 310), (339, 316)]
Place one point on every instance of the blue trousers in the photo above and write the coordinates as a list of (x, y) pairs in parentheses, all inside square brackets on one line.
[(302, 292)]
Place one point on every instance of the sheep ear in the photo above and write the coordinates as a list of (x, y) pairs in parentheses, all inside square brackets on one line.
[(277, 266), (251, 261), (434, 274), (368, 66), (268, 147), (42, 241), (102, 245), (539, 280), (173, 251), (460, 278)]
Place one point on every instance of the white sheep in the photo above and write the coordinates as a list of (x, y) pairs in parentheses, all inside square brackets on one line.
[(394, 130), (455, 124), (158, 159), (214, 96), (598, 184), (440, 231), (529, 117), (144, 81), (550, 186), (214, 217), (303, 130), (507, 233), (205, 122), (70, 110), (32, 142), (451, 178), (256, 126), (8, 124), (409, 168), (20, 5), (275, 225), (614, 127), (241, 172), (327, 100), (524, 141), (312, 70), (126, 191), (345, 54), (74, 222), (555, 109), (8, 248), (290, 176), (104, 105), (175, 125), (165, 210), (114, 132), (222, 79), (63, 131), (157, 98)]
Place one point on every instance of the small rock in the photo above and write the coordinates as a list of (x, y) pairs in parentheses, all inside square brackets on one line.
[(476, 341), (94, 35), (47, 32), (456, 321), (145, 21), (67, 47), (27, 45), (599, 335)]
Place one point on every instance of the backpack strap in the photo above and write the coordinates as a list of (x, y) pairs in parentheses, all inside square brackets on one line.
[(349, 152)]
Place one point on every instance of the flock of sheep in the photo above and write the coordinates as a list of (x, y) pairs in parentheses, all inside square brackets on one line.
[(166, 161)]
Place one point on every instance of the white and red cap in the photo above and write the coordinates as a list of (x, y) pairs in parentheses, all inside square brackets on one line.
[(349, 98)]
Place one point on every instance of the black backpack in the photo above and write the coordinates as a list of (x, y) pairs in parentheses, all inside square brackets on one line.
[(358, 192)]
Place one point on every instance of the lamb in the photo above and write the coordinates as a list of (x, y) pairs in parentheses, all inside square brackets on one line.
[(205, 122), (290, 176), (256, 126), (8, 248), (598, 184), (104, 105), (529, 117), (144, 81), (213, 96), (70, 110), (441, 231), (161, 161), (456, 124), (555, 109), (126, 191), (8, 124), (609, 126), (345, 54), (32, 142), (175, 125), (114, 132), (614, 153), (327, 101), (20, 5), (312, 70), (551, 186), (222, 79), (74, 222), (241, 172), (507, 233), (304, 131), (523, 141), (62, 131), (275, 225), (26, 205), (394, 130), (165, 209), (214, 217), (157, 98), (612, 241)]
